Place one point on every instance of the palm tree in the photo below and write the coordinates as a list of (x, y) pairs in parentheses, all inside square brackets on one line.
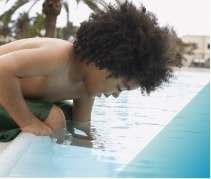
[(68, 32), (25, 27), (51, 9), (5, 18), (22, 25)]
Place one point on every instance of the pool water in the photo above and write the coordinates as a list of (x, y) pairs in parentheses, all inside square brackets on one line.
[(122, 128), (129, 122)]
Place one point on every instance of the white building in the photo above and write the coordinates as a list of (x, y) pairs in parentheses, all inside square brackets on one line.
[(201, 54)]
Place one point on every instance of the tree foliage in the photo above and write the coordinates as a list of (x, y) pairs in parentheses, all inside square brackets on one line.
[(25, 26), (44, 23)]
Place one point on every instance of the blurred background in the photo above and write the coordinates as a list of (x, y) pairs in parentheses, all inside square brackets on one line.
[(189, 21)]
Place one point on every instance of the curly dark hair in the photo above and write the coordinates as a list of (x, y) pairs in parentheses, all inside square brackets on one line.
[(129, 43)]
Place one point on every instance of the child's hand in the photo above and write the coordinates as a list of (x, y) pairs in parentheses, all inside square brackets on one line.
[(83, 126), (37, 127)]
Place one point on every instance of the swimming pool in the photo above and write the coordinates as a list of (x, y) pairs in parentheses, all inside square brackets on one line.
[(123, 128)]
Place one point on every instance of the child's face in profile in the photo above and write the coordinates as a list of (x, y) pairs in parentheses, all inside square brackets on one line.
[(100, 85), (117, 85)]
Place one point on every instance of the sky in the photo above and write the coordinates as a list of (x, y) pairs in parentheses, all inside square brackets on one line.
[(188, 17)]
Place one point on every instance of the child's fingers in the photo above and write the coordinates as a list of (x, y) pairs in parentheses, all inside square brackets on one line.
[(38, 128)]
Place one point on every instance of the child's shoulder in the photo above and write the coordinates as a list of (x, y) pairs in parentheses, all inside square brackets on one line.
[(38, 42), (50, 45), (43, 41), (46, 47)]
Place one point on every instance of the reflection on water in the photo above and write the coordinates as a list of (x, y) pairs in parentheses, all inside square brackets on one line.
[(130, 122)]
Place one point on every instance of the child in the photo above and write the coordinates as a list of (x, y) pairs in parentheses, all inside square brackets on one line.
[(121, 48)]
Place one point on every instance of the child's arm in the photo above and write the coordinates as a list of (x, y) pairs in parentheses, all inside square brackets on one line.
[(22, 63), (12, 100), (82, 109)]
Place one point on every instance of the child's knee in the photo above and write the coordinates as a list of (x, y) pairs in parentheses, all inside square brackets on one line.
[(56, 119)]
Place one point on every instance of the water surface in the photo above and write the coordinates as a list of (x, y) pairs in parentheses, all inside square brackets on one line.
[(125, 125)]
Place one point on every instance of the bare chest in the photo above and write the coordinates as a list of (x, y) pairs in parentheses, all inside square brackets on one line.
[(52, 88)]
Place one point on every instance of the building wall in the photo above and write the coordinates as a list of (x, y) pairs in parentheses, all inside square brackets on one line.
[(201, 54)]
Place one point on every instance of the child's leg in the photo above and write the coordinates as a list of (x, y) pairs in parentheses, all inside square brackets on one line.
[(66, 107), (46, 112), (55, 119)]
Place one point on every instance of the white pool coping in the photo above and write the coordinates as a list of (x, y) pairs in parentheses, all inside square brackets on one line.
[(3, 146), (9, 155)]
